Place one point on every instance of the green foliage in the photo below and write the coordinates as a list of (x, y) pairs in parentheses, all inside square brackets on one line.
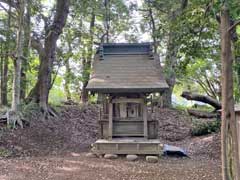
[(199, 127), (29, 110), (93, 99), (194, 33), (56, 95), (4, 152)]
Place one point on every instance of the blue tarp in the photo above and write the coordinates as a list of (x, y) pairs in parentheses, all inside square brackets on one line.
[(174, 151)]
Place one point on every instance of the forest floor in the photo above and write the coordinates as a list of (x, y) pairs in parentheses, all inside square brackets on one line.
[(55, 149)]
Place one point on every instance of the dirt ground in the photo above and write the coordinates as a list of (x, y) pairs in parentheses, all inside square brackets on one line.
[(55, 150)]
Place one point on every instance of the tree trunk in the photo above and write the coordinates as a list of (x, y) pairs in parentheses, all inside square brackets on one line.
[(202, 98), (4, 79), (18, 61), (167, 96), (230, 156), (27, 34), (4, 82), (67, 79), (40, 92), (86, 76), (107, 18), (1, 72), (87, 63), (84, 94), (170, 73), (67, 75), (153, 27), (171, 58)]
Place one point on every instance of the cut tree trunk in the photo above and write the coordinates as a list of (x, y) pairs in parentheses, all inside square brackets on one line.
[(202, 98)]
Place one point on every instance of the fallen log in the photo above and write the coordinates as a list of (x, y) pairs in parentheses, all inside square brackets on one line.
[(203, 114), (202, 98)]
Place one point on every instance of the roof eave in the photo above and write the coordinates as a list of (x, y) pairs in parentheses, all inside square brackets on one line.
[(127, 90)]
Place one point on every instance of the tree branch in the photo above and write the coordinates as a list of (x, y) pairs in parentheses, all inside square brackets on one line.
[(10, 3), (37, 45), (7, 11), (234, 25), (205, 99)]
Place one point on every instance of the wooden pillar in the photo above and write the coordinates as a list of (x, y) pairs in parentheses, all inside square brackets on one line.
[(110, 117), (238, 129), (145, 125)]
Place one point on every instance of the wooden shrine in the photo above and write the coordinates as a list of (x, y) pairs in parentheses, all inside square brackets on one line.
[(124, 75), (237, 112)]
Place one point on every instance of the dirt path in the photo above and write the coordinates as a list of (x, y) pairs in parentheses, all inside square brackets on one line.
[(78, 167), (44, 151)]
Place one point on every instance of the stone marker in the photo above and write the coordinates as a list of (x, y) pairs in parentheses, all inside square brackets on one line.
[(91, 155), (131, 157), (110, 156), (152, 159)]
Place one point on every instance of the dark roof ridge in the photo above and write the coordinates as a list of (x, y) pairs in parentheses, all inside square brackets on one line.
[(127, 44)]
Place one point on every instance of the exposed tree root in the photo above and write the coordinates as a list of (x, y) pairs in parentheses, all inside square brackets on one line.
[(48, 112), (13, 118)]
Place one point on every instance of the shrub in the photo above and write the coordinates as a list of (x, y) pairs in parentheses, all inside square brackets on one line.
[(200, 127)]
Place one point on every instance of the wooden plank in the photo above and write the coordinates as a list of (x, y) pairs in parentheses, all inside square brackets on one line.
[(128, 135), (137, 119), (145, 125), (110, 124), (128, 146), (129, 128), (129, 140), (126, 53), (152, 128), (127, 100), (123, 110), (238, 129)]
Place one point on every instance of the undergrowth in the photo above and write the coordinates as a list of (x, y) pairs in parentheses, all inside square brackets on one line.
[(4, 152), (201, 127)]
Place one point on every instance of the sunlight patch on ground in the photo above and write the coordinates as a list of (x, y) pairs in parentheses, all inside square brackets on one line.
[(208, 139), (70, 169)]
